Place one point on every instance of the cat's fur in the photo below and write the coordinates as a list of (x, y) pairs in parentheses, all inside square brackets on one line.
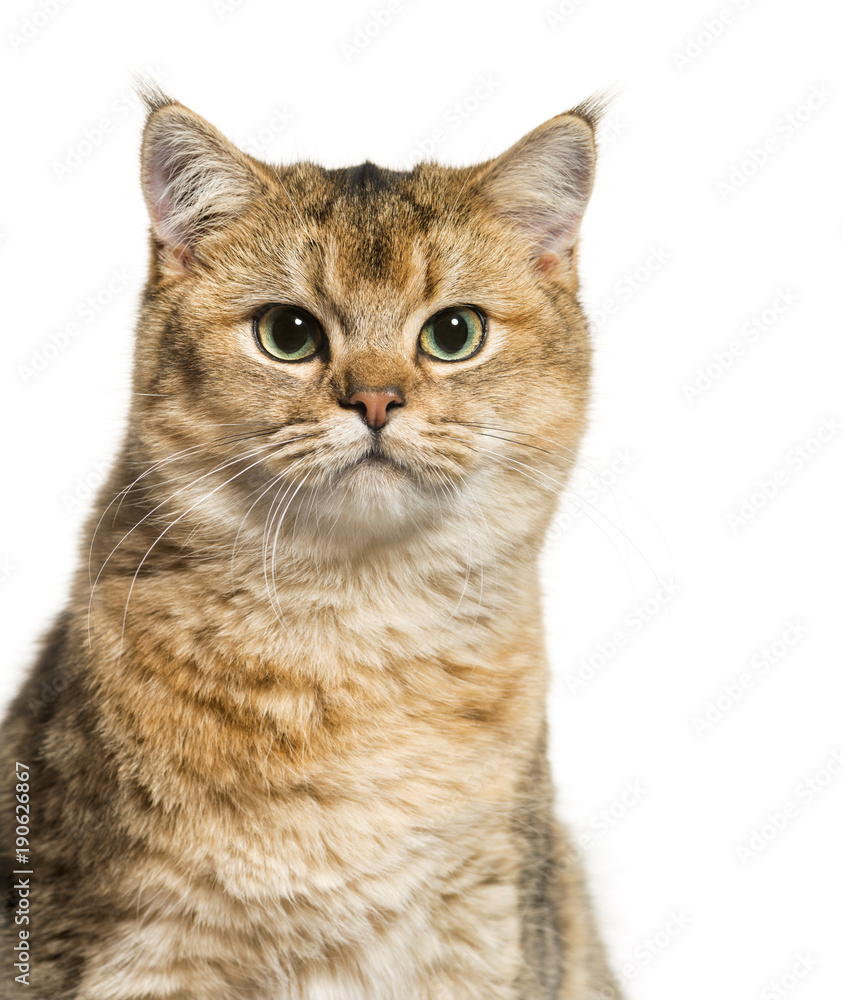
[(288, 738)]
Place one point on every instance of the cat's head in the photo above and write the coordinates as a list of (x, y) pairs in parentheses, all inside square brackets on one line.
[(368, 351)]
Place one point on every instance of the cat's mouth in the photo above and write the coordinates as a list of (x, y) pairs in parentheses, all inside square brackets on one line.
[(375, 461), (375, 458)]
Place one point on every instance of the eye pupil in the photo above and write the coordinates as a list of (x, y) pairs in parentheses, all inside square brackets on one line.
[(450, 333), (289, 333)]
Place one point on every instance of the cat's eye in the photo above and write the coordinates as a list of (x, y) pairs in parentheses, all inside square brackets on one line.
[(288, 333), (453, 334)]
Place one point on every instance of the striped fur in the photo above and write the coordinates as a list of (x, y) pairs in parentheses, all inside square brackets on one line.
[(288, 738)]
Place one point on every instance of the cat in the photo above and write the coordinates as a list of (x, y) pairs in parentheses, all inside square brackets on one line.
[(288, 738)]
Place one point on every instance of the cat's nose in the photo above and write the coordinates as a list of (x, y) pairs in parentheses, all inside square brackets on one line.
[(374, 405)]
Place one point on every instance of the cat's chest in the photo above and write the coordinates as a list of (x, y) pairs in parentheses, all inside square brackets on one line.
[(379, 859), (359, 779), (320, 693), (293, 758), (325, 783)]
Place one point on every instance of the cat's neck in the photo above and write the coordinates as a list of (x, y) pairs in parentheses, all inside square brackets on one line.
[(307, 652), (444, 587)]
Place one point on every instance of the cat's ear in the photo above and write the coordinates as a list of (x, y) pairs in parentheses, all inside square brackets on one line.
[(194, 180), (543, 184)]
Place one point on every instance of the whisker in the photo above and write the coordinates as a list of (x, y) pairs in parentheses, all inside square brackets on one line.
[(172, 524), (346, 487), (576, 456), (226, 439), (493, 550), (520, 444), (262, 450), (577, 460), (274, 507), (467, 577), (560, 488), (273, 594), (273, 482)]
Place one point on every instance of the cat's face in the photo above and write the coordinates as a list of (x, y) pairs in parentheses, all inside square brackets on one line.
[(361, 351)]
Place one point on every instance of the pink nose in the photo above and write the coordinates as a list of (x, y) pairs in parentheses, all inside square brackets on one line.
[(374, 405)]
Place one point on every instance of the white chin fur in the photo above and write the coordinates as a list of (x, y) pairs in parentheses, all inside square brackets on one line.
[(370, 503)]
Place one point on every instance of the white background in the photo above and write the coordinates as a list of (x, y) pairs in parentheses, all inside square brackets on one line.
[(686, 242)]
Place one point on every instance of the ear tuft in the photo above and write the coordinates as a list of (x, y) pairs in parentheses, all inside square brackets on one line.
[(544, 181), (593, 108), (194, 180), (150, 93)]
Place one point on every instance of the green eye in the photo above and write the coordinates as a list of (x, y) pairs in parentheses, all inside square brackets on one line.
[(453, 334), (288, 333)]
